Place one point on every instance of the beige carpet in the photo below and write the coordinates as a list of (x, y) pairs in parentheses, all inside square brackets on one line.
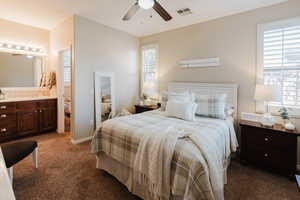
[(67, 172)]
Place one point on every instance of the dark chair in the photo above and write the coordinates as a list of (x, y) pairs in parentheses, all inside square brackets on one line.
[(17, 151)]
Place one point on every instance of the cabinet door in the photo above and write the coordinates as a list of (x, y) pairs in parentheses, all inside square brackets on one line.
[(27, 122), (48, 119)]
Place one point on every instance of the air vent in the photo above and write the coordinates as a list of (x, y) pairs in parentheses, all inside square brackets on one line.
[(185, 11)]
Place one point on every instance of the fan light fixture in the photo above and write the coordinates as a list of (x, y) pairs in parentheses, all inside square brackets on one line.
[(146, 4)]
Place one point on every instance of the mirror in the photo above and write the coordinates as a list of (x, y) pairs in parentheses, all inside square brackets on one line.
[(104, 97), (18, 70)]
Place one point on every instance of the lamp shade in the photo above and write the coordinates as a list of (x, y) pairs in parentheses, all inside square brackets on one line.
[(267, 93), (149, 89)]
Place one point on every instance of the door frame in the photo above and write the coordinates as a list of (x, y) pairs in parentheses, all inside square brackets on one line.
[(61, 91), (97, 92)]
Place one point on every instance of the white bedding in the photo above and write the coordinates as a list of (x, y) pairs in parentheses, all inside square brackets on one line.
[(191, 171)]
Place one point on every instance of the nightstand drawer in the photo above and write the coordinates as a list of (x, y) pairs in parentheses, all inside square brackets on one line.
[(272, 148), (271, 158), (144, 108), (268, 138)]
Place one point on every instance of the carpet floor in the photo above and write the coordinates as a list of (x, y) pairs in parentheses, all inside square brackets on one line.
[(67, 172)]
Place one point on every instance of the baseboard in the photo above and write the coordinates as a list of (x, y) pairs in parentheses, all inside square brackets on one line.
[(78, 141)]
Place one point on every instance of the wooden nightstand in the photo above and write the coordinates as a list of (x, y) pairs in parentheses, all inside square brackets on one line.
[(144, 108), (272, 148)]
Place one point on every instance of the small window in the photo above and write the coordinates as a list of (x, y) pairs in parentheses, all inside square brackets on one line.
[(279, 59), (149, 60), (150, 69), (67, 66)]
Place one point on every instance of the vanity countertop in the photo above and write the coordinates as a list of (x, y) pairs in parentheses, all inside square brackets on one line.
[(26, 99)]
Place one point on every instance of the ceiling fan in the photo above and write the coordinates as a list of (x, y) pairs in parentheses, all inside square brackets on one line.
[(147, 4)]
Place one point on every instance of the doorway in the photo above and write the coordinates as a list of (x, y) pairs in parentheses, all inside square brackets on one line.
[(65, 91)]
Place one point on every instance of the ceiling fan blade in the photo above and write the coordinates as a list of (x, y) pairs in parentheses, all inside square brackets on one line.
[(131, 12), (161, 11)]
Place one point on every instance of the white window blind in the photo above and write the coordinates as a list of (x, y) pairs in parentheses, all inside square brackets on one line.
[(149, 64), (149, 70), (67, 66), (281, 61)]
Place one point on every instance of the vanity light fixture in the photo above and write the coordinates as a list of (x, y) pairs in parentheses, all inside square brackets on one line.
[(21, 49)]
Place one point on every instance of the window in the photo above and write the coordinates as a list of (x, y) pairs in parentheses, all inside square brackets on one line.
[(67, 66), (279, 58), (149, 61), (149, 69)]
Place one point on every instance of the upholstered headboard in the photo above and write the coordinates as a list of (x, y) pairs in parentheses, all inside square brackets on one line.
[(231, 90)]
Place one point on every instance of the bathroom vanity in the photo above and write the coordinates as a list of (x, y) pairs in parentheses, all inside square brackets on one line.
[(27, 116)]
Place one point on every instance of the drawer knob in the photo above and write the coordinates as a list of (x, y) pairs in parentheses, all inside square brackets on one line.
[(2, 107), (266, 139), (3, 130), (266, 155), (3, 116)]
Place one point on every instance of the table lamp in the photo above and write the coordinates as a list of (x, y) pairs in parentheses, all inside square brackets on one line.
[(266, 93), (149, 91)]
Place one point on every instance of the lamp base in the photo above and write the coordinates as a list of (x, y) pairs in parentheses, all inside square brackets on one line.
[(268, 120)]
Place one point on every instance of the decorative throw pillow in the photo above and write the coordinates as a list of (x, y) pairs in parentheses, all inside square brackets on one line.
[(182, 110), (175, 96), (229, 111), (211, 106)]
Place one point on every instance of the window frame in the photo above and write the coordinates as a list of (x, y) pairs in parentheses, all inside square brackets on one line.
[(67, 83), (143, 48), (294, 111)]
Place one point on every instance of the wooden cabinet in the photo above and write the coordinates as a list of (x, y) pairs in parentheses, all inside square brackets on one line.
[(48, 116), (27, 117), (27, 122), (145, 108), (272, 148)]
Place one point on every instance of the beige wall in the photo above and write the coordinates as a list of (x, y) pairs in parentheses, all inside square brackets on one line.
[(100, 48), (231, 38), (24, 35), (61, 38)]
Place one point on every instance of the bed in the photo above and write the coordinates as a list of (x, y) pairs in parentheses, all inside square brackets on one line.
[(116, 145)]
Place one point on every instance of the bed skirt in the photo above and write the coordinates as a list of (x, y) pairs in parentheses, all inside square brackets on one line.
[(124, 174)]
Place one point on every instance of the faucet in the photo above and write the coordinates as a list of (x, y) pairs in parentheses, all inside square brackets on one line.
[(2, 95)]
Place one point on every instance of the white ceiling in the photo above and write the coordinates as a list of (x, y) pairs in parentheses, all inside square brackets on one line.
[(47, 14)]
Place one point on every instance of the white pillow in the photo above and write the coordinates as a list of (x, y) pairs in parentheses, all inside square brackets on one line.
[(211, 106), (175, 96), (182, 110), (183, 96)]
